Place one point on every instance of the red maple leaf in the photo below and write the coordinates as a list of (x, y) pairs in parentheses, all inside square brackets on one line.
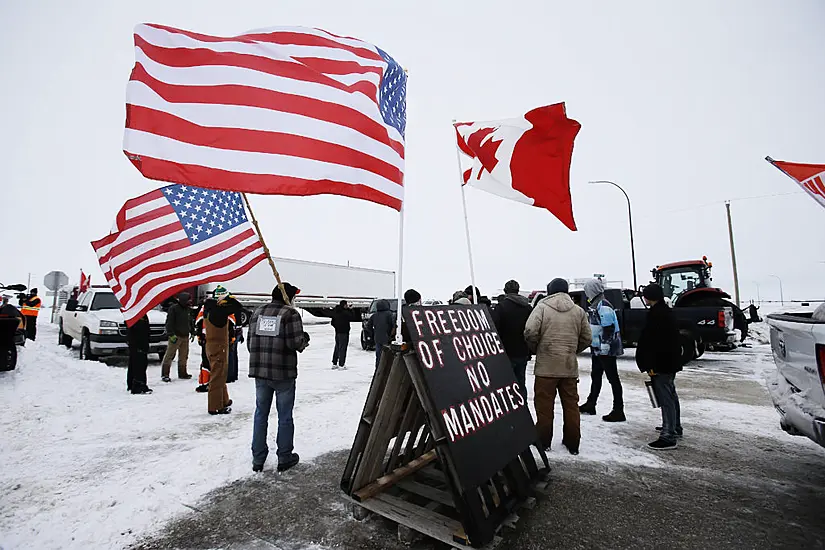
[(484, 152)]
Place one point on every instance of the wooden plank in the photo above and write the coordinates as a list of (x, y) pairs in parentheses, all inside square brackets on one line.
[(396, 399), (427, 491), (385, 482), (376, 446), (374, 394), (433, 474), (409, 414), (427, 522)]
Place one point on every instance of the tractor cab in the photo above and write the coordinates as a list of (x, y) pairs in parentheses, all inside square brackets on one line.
[(680, 279)]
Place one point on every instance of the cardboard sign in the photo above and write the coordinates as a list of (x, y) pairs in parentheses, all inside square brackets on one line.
[(472, 384)]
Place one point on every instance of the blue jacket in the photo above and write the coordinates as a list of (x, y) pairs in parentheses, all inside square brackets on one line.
[(607, 339)]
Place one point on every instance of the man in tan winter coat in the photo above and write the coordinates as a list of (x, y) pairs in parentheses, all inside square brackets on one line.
[(556, 332)]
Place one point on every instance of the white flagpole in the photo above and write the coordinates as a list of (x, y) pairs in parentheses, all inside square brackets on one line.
[(399, 287), (466, 222)]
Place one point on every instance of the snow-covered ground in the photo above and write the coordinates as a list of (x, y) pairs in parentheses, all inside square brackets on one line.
[(87, 465)]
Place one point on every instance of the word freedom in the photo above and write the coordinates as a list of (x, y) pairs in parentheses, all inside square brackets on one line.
[(473, 340)]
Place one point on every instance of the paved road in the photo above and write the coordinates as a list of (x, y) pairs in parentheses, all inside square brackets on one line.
[(735, 482)]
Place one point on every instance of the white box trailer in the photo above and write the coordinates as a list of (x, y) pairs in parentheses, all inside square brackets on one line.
[(322, 285)]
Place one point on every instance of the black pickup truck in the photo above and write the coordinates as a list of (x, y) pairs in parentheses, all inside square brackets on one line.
[(699, 326)]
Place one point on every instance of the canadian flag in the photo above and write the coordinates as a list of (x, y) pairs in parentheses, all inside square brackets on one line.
[(810, 176), (85, 281), (524, 159)]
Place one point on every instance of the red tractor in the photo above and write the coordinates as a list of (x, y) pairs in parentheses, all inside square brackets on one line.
[(689, 284)]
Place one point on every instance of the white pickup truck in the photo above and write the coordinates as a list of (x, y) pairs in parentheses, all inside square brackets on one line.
[(98, 324), (798, 386)]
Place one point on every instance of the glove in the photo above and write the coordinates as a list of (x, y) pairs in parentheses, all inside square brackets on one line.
[(173, 339), (306, 337)]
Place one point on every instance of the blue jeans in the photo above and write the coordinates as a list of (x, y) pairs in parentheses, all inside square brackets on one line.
[(284, 391), (665, 388), (520, 370)]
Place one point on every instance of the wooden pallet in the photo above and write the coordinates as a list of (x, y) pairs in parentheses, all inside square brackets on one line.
[(400, 468)]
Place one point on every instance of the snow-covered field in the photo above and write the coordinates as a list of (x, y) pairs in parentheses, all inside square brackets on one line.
[(87, 465)]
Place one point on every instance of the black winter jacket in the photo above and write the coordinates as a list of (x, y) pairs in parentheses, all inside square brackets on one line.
[(659, 350), (177, 321), (341, 319), (510, 316), (138, 336), (382, 323)]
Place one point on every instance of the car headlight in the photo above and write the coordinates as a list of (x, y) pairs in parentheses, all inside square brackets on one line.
[(110, 324)]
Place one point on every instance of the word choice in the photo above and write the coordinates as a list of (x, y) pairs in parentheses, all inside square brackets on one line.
[(478, 412), (468, 347)]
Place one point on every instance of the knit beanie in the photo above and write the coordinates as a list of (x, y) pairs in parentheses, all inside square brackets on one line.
[(557, 285), (654, 293)]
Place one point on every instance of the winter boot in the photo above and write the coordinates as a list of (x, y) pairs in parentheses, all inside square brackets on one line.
[(615, 416), (573, 449), (166, 379), (289, 463), (662, 445), (203, 388), (679, 435), (588, 408), (257, 467), (225, 410)]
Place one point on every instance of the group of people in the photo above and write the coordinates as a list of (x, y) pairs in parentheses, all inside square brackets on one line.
[(556, 330), (218, 333)]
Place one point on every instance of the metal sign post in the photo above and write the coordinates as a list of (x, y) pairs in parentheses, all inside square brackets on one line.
[(54, 280)]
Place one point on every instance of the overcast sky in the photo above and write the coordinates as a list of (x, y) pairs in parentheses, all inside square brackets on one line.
[(678, 102)]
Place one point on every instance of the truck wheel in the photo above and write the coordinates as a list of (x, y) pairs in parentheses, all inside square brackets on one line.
[(86, 348), (688, 346), (64, 340)]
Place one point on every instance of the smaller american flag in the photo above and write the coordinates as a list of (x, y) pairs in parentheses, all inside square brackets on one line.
[(174, 238)]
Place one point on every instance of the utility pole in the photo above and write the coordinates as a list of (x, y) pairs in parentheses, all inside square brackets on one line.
[(733, 255)]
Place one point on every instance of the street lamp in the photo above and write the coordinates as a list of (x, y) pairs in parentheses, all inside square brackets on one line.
[(781, 294), (630, 223)]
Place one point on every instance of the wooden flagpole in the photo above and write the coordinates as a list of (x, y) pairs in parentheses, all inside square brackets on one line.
[(466, 221), (266, 250)]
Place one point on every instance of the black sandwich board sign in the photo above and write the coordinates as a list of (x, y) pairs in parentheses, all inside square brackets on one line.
[(445, 445), (472, 386)]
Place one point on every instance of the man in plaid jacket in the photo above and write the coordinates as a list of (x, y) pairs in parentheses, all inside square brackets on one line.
[(276, 336)]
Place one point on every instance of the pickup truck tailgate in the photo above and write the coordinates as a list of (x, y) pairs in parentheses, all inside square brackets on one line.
[(794, 346)]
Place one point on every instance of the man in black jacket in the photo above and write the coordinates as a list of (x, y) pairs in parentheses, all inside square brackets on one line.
[(382, 324), (658, 354), (138, 338), (341, 319), (510, 316)]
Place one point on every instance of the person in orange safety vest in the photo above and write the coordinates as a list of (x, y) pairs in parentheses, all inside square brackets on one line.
[(30, 307)]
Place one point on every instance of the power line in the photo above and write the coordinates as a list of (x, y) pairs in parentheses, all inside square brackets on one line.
[(731, 200)]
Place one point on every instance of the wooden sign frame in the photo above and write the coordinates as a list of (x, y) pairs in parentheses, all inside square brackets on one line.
[(401, 467)]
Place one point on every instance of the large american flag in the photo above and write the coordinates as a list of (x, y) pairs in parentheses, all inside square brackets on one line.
[(174, 238), (284, 111)]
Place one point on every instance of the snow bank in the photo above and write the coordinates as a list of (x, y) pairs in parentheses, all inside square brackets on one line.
[(88, 465)]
